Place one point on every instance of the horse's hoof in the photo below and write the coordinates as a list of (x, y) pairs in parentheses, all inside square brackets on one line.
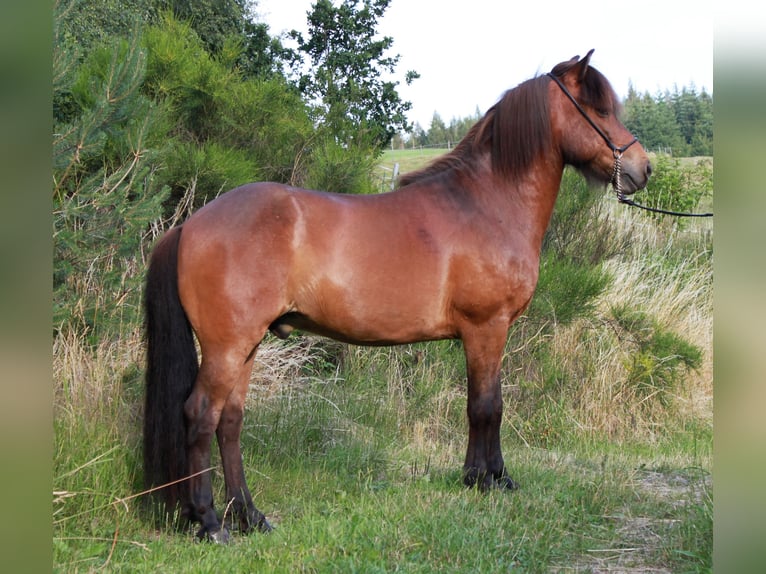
[(487, 482), (264, 526), (505, 482), (255, 522), (220, 536)]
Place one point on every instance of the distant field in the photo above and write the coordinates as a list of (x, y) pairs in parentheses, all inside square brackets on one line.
[(410, 159)]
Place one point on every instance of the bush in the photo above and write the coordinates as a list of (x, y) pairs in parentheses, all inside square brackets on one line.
[(677, 187), (341, 169), (579, 238), (580, 229), (566, 290), (657, 358)]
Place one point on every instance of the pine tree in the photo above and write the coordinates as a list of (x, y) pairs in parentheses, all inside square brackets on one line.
[(104, 193)]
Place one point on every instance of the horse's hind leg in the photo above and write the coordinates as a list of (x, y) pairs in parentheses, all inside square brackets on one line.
[(219, 376), (240, 508)]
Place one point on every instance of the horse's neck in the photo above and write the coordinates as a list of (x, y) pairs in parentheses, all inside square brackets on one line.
[(528, 200)]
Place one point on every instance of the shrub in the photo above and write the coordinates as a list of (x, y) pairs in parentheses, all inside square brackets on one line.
[(342, 169), (658, 359), (678, 187), (566, 290)]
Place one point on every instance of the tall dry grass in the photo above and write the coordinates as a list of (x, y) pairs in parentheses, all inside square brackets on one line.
[(666, 274)]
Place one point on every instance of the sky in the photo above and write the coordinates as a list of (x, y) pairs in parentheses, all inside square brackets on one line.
[(468, 52)]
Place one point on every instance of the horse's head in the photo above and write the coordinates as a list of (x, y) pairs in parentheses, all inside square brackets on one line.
[(585, 120)]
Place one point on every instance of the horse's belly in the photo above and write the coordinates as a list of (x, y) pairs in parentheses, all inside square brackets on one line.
[(370, 313), (359, 332)]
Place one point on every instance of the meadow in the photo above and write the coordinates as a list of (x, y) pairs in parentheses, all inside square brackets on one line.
[(354, 454)]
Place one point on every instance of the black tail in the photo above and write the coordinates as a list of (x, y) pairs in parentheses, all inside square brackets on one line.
[(171, 370)]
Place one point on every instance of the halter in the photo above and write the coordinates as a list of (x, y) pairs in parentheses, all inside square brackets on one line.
[(616, 150), (616, 180)]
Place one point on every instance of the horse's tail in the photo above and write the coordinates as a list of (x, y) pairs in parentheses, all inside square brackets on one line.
[(171, 370)]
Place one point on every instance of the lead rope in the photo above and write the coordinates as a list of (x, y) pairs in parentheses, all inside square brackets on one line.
[(617, 184)]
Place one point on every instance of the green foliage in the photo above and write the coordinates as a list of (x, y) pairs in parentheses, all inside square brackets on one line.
[(678, 186), (566, 290), (107, 111), (208, 169), (658, 357), (227, 129), (346, 63), (576, 243), (269, 122), (341, 169), (580, 229), (105, 192), (84, 24), (213, 21), (183, 74)]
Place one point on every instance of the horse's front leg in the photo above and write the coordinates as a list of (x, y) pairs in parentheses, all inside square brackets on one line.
[(240, 510), (484, 465)]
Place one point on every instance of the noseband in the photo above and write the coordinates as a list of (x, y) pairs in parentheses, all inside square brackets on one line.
[(616, 180)]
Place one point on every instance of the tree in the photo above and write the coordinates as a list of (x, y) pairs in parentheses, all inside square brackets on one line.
[(82, 24), (681, 121), (346, 63), (213, 20), (694, 114), (105, 190), (437, 132), (653, 122)]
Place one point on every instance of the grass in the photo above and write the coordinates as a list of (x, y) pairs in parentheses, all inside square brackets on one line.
[(352, 487), (354, 454)]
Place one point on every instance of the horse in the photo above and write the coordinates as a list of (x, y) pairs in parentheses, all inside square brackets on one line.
[(452, 253)]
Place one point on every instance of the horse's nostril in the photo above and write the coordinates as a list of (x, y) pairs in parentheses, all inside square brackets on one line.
[(648, 168)]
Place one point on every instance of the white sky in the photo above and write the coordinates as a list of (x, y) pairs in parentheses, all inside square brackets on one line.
[(468, 52)]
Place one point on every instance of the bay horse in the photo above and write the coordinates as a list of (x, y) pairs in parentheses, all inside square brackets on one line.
[(452, 253)]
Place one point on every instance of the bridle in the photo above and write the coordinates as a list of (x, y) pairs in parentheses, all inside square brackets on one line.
[(616, 180)]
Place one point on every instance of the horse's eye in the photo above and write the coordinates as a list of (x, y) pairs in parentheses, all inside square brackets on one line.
[(603, 113)]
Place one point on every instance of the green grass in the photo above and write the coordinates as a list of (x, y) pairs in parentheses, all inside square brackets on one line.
[(366, 508), (410, 159), (362, 475)]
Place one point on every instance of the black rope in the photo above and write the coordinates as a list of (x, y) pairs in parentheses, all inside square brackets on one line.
[(632, 203)]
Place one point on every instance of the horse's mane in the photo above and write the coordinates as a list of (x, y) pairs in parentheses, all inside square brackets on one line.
[(517, 128)]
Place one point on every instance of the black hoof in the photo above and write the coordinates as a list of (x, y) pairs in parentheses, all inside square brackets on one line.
[(485, 482), (247, 524), (220, 536), (505, 482), (264, 526)]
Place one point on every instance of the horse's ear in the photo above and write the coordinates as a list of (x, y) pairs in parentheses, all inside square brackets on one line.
[(581, 68)]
